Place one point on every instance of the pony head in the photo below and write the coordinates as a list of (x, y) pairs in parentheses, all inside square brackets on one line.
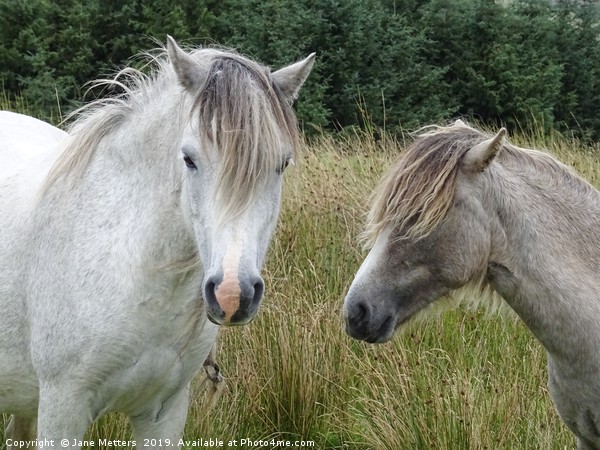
[(427, 228), (239, 139)]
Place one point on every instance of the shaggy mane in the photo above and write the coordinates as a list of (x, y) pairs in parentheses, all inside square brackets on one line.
[(418, 190), (416, 193)]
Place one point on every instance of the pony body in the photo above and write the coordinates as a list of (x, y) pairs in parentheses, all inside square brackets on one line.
[(142, 231), (462, 208)]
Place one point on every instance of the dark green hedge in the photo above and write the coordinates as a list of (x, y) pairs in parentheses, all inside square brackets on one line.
[(394, 63)]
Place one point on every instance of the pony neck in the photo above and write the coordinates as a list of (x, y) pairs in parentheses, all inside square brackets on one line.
[(545, 250)]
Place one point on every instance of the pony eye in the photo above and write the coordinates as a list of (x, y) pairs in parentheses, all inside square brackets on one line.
[(284, 165), (188, 162)]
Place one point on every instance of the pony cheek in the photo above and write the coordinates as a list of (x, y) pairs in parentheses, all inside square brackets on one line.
[(466, 266), (193, 215), (266, 229)]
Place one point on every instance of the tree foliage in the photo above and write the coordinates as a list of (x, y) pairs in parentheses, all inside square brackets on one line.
[(395, 63)]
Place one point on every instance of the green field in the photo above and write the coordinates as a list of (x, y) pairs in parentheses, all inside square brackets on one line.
[(461, 380)]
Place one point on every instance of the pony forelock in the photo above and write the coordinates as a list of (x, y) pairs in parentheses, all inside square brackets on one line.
[(417, 192), (253, 126)]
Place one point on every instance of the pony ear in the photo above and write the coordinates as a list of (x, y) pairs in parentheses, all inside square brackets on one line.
[(290, 78), (190, 74), (478, 158), (459, 123)]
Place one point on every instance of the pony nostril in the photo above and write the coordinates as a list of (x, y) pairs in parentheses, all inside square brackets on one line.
[(214, 311), (210, 296), (361, 311), (209, 290), (259, 289)]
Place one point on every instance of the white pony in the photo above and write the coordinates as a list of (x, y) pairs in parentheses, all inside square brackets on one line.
[(126, 242)]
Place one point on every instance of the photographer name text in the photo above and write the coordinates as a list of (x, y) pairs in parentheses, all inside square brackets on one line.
[(182, 443)]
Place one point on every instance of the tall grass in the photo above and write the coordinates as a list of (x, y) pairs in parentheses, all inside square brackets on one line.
[(18, 103), (462, 380)]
